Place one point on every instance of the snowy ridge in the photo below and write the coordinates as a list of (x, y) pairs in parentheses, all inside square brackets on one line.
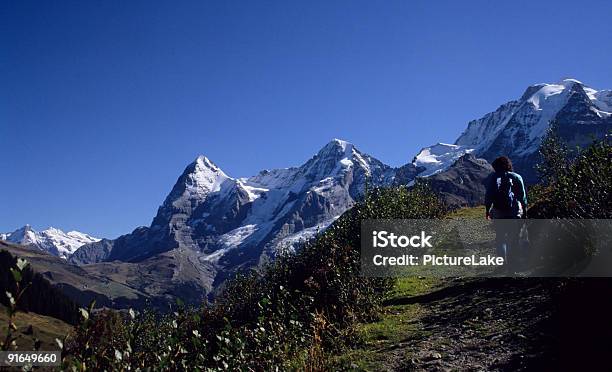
[(436, 158), (51, 240), (288, 243), (516, 128), (537, 110), (547, 102), (602, 100)]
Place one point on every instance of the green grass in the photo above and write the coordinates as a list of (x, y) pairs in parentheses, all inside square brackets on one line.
[(469, 212), (396, 324), (413, 286)]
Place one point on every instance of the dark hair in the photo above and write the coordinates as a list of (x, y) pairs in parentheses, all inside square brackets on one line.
[(502, 164)]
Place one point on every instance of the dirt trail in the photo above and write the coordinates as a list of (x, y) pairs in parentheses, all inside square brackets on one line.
[(476, 325)]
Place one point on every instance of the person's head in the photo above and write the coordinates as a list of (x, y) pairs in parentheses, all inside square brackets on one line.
[(502, 164)]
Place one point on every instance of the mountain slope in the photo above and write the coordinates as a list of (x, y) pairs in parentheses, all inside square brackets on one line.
[(84, 284), (52, 240), (43, 328), (463, 183)]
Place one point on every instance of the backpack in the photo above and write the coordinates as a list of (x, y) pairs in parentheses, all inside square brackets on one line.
[(503, 196)]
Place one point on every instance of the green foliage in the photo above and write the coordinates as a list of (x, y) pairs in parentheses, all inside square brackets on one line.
[(554, 156), (284, 317), (14, 293), (574, 188), (577, 186)]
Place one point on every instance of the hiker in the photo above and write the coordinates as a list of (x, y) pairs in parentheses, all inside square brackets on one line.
[(505, 200)]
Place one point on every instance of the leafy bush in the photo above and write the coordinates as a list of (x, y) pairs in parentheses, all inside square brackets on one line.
[(13, 297), (574, 188), (285, 316)]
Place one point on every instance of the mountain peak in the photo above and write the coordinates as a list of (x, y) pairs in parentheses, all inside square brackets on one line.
[(202, 162), (531, 90), (547, 89), (203, 176), (204, 167), (340, 142), (336, 147)]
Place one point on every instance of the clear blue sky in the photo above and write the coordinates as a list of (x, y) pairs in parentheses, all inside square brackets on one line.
[(103, 103)]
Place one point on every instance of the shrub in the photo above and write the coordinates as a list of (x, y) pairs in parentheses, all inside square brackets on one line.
[(574, 188)]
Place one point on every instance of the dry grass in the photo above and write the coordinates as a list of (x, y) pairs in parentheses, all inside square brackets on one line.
[(44, 328)]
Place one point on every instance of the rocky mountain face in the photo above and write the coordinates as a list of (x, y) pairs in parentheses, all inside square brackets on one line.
[(463, 183), (516, 128), (52, 240), (215, 224)]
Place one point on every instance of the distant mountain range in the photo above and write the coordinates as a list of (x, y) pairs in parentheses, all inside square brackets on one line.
[(212, 225), (52, 240)]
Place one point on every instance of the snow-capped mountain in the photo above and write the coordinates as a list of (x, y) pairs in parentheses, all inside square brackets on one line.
[(52, 240), (516, 128), (212, 224), (227, 220)]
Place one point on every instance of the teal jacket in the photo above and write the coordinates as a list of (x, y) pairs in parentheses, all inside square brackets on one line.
[(518, 188)]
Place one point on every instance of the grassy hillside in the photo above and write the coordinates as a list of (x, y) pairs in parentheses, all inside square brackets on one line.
[(380, 340), (119, 285), (82, 284), (35, 293), (43, 328), (477, 212)]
